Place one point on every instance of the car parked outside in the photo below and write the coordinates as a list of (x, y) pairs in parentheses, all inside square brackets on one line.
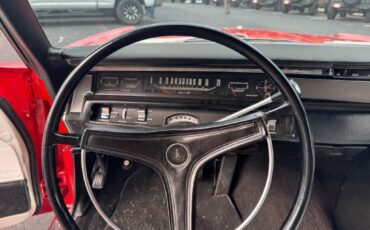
[(129, 12), (344, 7)]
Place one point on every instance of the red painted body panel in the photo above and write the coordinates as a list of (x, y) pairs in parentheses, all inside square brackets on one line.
[(296, 37), (103, 37), (28, 97)]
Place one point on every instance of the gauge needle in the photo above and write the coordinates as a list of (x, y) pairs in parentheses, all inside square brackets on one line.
[(267, 88), (161, 89), (232, 91)]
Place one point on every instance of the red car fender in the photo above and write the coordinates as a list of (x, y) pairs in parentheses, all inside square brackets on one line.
[(252, 34)]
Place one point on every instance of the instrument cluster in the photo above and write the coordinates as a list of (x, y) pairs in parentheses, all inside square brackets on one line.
[(241, 85)]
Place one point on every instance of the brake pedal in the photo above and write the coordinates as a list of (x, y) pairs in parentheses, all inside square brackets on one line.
[(99, 180), (100, 173)]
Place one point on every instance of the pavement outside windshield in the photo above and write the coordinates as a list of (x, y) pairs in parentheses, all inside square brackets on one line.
[(64, 30)]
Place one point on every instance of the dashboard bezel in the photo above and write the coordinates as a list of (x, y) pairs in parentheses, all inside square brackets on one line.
[(253, 79)]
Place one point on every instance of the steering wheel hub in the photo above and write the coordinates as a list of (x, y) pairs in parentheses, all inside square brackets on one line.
[(177, 154)]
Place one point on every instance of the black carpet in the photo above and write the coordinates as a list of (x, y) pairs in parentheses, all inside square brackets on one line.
[(141, 202), (108, 197), (281, 195), (143, 205)]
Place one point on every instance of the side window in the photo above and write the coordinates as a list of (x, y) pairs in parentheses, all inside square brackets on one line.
[(7, 52)]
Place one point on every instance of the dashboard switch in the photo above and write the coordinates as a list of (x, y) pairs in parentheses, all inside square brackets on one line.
[(271, 124), (104, 112), (141, 115), (115, 114), (124, 114)]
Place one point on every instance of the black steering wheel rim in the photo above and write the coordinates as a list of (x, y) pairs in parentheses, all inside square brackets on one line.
[(49, 140)]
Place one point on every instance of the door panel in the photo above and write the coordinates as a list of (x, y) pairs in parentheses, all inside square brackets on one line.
[(23, 97), (17, 198), (23, 93), (24, 105)]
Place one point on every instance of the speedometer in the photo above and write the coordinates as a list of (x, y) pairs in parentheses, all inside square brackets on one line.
[(187, 86)]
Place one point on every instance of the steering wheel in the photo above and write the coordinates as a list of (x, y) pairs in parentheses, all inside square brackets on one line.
[(176, 153)]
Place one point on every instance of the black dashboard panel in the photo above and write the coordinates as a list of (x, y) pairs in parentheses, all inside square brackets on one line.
[(216, 85), (144, 98)]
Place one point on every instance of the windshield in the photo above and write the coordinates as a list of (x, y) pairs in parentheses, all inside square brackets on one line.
[(92, 22)]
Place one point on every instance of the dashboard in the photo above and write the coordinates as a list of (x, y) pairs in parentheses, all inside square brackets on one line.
[(205, 85), (160, 98), (149, 97), (157, 98)]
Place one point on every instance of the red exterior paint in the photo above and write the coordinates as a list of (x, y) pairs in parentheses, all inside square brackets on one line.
[(296, 37), (352, 37), (28, 97), (101, 38)]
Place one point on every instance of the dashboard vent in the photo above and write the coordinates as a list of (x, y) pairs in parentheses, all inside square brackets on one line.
[(351, 72)]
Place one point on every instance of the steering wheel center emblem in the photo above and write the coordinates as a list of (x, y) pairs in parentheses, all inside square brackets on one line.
[(177, 154)]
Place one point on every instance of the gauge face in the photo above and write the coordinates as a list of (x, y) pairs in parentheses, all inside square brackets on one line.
[(130, 84), (187, 85), (237, 88), (109, 83), (265, 88)]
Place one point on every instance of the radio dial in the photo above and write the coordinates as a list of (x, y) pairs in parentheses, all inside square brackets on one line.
[(181, 119)]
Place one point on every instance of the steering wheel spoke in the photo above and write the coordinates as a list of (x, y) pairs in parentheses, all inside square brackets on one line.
[(179, 190), (173, 147)]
